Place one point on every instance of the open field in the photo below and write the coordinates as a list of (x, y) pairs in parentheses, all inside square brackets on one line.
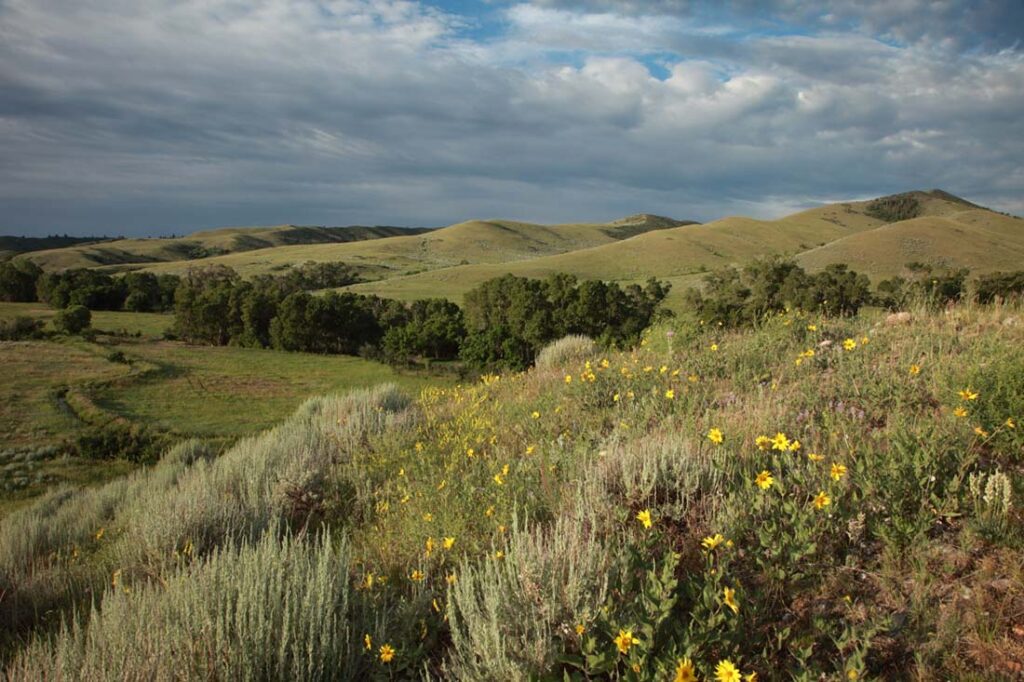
[(817, 498), (147, 324)]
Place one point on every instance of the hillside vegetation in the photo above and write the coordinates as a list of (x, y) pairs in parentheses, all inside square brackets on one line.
[(817, 498), (836, 233), (125, 252)]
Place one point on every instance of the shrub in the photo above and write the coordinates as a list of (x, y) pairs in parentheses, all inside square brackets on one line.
[(572, 349), (1003, 285), (894, 208), (19, 328), (72, 320), (277, 609), (121, 440)]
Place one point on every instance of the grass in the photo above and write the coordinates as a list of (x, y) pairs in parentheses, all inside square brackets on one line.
[(147, 324), (598, 519)]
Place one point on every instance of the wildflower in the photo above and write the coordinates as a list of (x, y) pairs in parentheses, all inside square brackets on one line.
[(489, 511), (764, 480), (714, 348), (442, 484), (98, 535), (981, 432), (429, 546), (762, 442), (115, 579), (367, 583), (448, 542), (437, 607), (685, 671), (530, 449), (730, 600), (725, 671), (368, 642), (498, 480), (419, 446), (605, 363), (615, 398), (670, 394), (535, 414), (625, 640), (504, 470), (417, 576), (837, 472), (959, 412), (470, 452), (644, 517), (1010, 424), (648, 369), (849, 344), (499, 554), (568, 378), (709, 543), (428, 517), (780, 442), (815, 457), (663, 369), (812, 327), (822, 500), (915, 370), (715, 436), (692, 378), (580, 629), (794, 446), (386, 653), (968, 394), (750, 677), (451, 579), (852, 674)]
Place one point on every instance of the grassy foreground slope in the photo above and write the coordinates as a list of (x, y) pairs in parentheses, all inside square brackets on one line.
[(124, 252), (817, 499), (474, 241), (835, 233)]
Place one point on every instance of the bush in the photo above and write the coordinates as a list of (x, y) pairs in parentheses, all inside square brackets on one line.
[(18, 280), (19, 328), (894, 208), (121, 440), (72, 320), (572, 349), (1003, 285)]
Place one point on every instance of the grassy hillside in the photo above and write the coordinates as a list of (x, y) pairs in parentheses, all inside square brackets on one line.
[(978, 239), (816, 499), (11, 246), (125, 252), (949, 231), (475, 241)]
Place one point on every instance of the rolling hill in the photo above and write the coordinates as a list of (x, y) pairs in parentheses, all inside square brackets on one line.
[(471, 242), (851, 232), (126, 252)]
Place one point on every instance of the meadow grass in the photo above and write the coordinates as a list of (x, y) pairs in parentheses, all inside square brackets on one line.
[(146, 324), (814, 499)]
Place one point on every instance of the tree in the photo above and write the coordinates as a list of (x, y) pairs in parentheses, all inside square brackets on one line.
[(18, 280), (72, 320)]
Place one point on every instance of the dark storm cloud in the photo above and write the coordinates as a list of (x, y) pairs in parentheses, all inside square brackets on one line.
[(153, 115)]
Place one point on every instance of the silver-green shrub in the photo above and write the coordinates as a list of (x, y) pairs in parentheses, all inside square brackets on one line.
[(567, 351), (273, 610)]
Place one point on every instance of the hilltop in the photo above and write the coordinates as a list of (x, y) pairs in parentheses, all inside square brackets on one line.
[(203, 244)]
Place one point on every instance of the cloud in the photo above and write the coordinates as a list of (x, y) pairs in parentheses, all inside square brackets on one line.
[(154, 115)]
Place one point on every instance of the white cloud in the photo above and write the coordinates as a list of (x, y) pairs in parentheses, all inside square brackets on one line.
[(157, 114)]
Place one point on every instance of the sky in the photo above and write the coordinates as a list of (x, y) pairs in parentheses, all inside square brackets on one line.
[(151, 117)]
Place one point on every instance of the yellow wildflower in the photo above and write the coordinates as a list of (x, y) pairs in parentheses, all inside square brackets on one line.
[(530, 449), (712, 541), (815, 457), (750, 677), (794, 446), (429, 546), (981, 432), (968, 394), (419, 446), (535, 414), (615, 398), (812, 327), (762, 442), (489, 511), (368, 642), (725, 671), (780, 442), (568, 378), (448, 542), (386, 653), (959, 412), (1010, 424), (670, 394), (837, 472), (451, 579), (499, 554), (915, 370), (822, 500), (417, 576), (98, 535), (715, 436), (764, 480), (580, 629), (644, 517), (625, 640), (498, 479), (730, 600), (685, 671), (849, 344)]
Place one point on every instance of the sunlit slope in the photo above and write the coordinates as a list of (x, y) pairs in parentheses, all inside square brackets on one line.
[(121, 252), (980, 240), (475, 241), (680, 252)]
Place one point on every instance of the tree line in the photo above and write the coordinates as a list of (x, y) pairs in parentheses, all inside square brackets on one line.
[(743, 296)]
